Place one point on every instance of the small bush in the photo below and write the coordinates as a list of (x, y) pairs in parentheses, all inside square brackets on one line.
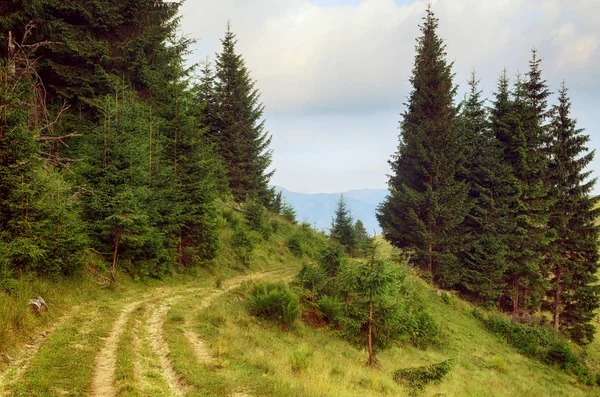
[(543, 344), (426, 332), (419, 377), (231, 217), (300, 358), (275, 225), (331, 259), (244, 242), (254, 213), (294, 244), (331, 307), (275, 302), (266, 231), (288, 212), (311, 277)]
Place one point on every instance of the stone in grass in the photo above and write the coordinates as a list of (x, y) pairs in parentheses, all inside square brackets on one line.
[(37, 304)]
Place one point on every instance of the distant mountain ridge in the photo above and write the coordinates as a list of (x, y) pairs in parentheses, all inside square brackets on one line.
[(318, 208)]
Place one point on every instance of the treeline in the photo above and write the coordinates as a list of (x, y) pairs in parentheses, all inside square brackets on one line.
[(109, 148), (495, 201)]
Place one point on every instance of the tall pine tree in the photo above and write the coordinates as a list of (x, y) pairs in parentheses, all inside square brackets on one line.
[(573, 294), (483, 246), (240, 135), (426, 201)]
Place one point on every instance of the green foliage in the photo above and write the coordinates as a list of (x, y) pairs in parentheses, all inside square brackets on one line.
[(240, 137), (543, 344), (419, 377), (311, 277), (275, 302), (342, 228), (574, 295), (332, 308), (364, 242), (254, 213), (300, 358), (294, 244), (363, 283), (305, 241), (424, 331), (243, 243), (427, 200), (288, 212), (331, 259)]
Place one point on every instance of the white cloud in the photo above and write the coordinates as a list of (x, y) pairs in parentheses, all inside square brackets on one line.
[(329, 64)]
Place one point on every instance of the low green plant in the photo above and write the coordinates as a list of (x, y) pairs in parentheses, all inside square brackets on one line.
[(543, 344), (254, 213), (419, 377), (300, 358), (332, 308), (244, 242), (425, 332), (275, 302), (294, 244)]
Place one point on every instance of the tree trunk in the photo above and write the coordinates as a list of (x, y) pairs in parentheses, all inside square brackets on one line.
[(557, 293), (430, 252), (370, 331), (113, 270), (515, 297)]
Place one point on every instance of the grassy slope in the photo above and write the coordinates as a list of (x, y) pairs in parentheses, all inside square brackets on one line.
[(257, 358)]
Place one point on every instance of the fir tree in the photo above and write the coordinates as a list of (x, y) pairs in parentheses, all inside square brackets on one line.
[(483, 250), (240, 136), (372, 312), (426, 201), (342, 228), (573, 294), (119, 208), (364, 242)]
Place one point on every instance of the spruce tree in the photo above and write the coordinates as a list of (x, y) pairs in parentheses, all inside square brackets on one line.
[(119, 205), (483, 246), (573, 294), (364, 242), (426, 200), (342, 228), (40, 230), (97, 39), (240, 136), (519, 125)]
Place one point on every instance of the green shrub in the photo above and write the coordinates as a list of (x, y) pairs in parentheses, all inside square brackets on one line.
[(331, 259), (543, 344), (300, 358), (419, 377), (275, 225), (311, 277), (244, 242), (288, 212), (331, 308), (254, 213), (275, 302), (232, 218), (266, 231), (294, 244), (426, 332)]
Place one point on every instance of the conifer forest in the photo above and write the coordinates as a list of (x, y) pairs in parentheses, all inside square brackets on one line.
[(122, 165)]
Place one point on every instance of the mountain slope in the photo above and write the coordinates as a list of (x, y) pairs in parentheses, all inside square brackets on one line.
[(318, 208)]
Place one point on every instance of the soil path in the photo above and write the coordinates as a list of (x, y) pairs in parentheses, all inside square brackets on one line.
[(106, 360)]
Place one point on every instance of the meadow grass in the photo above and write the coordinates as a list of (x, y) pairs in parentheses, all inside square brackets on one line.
[(305, 361)]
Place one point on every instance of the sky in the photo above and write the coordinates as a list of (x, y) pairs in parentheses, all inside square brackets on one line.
[(334, 74)]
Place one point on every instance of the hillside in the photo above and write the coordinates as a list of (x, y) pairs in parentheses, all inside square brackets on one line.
[(157, 337), (318, 208)]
